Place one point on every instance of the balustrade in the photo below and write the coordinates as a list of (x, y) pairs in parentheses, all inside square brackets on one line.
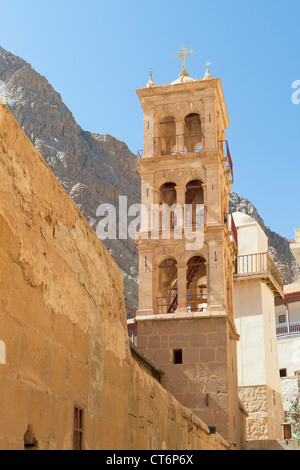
[(172, 144)]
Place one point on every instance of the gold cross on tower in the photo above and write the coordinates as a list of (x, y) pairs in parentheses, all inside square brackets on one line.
[(183, 54)]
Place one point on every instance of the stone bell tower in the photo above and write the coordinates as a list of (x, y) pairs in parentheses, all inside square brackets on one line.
[(185, 320)]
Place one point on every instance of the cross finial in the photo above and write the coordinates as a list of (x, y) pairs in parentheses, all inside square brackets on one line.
[(183, 54), (151, 71), (151, 82), (207, 75)]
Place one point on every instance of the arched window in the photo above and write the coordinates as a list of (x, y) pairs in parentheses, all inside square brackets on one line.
[(193, 136), (167, 299), (168, 198), (194, 200), (196, 284), (166, 142)]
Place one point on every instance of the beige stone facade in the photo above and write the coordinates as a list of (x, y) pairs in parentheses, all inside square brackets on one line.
[(70, 376), (264, 406), (185, 320), (202, 382)]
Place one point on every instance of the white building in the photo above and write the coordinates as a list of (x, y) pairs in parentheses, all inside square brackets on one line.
[(288, 334), (288, 340), (257, 281)]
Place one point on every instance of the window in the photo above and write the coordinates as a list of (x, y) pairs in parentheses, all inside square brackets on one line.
[(177, 356), (281, 318), (78, 428), (283, 372)]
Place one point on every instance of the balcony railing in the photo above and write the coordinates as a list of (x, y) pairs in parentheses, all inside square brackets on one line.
[(164, 303), (186, 217), (196, 304), (260, 265), (288, 329), (193, 304), (227, 156), (184, 143)]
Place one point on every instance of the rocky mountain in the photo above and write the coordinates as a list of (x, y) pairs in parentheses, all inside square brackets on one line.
[(279, 247), (95, 169)]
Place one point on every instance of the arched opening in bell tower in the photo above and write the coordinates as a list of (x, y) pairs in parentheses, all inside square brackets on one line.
[(167, 299), (196, 284), (166, 142), (193, 135), (194, 204), (167, 202)]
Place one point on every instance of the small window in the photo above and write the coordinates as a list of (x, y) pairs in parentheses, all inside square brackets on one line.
[(281, 318), (283, 373), (78, 428), (177, 356)]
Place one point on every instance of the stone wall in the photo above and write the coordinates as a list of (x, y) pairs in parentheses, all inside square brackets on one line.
[(202, 380), (265, 410), (63, 322)]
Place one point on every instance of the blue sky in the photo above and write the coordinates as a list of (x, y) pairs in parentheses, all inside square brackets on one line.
[(96, 54)]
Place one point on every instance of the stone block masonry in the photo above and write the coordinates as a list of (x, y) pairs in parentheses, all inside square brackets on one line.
[(264, 408), (63, 322), (200, 380)]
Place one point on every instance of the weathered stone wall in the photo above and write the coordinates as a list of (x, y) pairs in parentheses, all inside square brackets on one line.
[(203, 380), (265, 410), (63, 321)]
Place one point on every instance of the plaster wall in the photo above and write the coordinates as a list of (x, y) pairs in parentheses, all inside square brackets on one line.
[(251, 239), (289, 354), (249, 324), (270, 340)]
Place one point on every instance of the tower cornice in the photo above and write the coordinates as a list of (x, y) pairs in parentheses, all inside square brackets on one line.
[(151, 96)]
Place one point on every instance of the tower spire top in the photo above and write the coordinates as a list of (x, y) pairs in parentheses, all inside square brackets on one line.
[(150, 82), (183, 54), (207, 75), (151, 71)]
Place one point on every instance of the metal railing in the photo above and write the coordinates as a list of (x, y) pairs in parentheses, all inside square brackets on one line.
[(193, 304), (288, 329), (172, 144), (178, 217), (227, 156), (234, 231), (163, 303)]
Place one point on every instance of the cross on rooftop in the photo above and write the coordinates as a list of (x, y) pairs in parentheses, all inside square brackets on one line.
[(207, 64), (151, 71), (183, 54)]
